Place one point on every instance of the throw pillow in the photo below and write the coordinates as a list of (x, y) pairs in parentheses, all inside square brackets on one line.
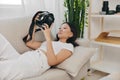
[(80, 56)]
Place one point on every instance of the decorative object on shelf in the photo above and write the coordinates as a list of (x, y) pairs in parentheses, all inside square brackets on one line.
[(111, 12), (103, 37), (105, 7), (75, 14), (117, 8)]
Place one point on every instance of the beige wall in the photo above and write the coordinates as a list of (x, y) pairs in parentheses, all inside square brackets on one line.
[(14, 30)]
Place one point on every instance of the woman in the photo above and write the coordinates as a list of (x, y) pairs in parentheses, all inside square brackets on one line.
[(45, 54)]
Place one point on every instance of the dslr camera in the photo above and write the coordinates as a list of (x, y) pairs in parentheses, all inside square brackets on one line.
[(39, 19), (44, 17)]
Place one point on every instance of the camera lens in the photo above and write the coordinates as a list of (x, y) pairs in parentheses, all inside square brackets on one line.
[(45, 17)]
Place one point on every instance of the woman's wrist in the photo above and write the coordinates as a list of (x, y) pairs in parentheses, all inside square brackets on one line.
[(48, 39)]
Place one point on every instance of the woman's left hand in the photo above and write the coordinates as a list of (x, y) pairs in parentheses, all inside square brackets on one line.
[(47, 32)]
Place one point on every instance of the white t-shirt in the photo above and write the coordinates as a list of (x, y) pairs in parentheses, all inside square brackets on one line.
[(57, 46)]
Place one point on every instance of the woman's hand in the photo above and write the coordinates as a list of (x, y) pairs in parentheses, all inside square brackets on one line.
[(47, 32)]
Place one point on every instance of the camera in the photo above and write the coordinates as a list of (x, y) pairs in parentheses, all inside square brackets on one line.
[(44, 17), (39, 19)]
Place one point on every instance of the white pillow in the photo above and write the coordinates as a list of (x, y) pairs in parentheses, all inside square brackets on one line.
[(80, 56), (83, 42)]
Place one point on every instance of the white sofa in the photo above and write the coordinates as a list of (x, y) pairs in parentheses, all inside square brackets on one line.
[(112, 76), (74, 68)]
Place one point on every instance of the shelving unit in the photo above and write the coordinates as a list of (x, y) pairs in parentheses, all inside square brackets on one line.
[(108, 56), (107, 67), (105, 44), (97, 15)]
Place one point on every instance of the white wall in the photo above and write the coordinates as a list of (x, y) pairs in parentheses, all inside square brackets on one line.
[(30, 7), (11, 12), (14, 30)]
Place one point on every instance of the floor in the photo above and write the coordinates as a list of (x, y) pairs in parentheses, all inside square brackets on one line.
[(96, 75)]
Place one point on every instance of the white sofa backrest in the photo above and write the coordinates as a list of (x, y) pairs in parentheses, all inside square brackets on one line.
[(14, 30)]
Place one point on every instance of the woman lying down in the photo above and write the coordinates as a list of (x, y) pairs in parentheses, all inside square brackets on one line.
[(15, 66)]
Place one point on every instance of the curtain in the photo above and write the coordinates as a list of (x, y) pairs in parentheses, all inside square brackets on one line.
[(54, 6), (30, 7)]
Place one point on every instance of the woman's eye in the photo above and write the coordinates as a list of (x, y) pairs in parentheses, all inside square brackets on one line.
[(64, 28), (59, 28)]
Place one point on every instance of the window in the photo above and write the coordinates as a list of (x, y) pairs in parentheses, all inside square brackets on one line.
[(11, 9), (10, 2)]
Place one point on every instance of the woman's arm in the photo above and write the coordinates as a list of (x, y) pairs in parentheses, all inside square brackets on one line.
[(60, 57), (32, 43), (51, 57)]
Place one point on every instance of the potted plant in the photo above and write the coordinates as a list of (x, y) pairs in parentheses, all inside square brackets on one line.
[(75, 13)]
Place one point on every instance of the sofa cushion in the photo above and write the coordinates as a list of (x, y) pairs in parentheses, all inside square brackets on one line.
[(52, 74), (80, 56), (15, 33), (83, 42)]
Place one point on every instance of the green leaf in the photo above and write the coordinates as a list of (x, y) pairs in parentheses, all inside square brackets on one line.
[(76, 14)]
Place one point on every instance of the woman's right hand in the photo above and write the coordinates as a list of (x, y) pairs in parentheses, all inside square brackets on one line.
[(47, 32)]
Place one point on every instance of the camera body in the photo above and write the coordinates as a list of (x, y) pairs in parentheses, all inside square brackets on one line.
[(39, 19), (44, 17)]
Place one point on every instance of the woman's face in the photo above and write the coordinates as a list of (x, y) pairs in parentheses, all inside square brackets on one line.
[(64, 31)]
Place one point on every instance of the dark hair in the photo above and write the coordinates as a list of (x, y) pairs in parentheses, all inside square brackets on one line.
[(31, 28), (32, 24), (74, 37)]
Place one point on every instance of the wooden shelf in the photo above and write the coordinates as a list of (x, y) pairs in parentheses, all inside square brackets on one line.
[(115, 31), (106, 66), (105, 44), (104, 39), (99, 15), (99, 23)]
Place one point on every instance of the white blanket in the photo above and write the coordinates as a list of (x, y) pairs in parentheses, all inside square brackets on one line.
[(14, 66)]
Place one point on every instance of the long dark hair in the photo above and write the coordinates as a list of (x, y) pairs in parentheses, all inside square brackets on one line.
[(33, 20), (74, 37), (32, 24), (31, 28)]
